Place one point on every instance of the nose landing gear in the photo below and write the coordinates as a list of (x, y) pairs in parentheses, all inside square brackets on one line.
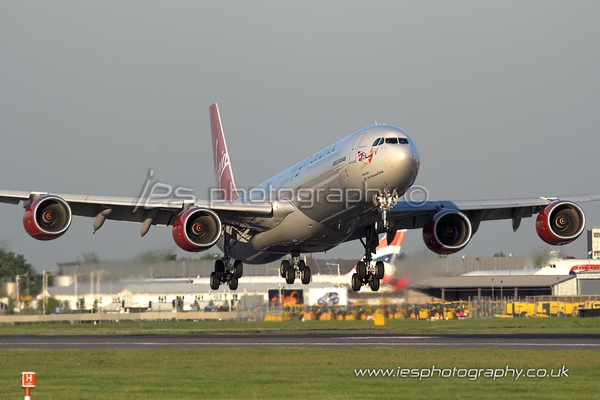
[(297, 269)]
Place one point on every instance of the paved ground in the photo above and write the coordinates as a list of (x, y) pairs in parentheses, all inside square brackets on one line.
[(299, 339)]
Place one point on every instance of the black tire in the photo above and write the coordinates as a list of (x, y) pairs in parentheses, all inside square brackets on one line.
[(220, 266), (306, 275), (285, 265), (238, 269), (361, 269), (214, 281), (379, 270), (290, 276), (374, 284), (356, 283), (233, 283)]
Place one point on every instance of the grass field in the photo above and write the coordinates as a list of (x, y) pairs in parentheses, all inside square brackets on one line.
[(516, 325), (280, 373)]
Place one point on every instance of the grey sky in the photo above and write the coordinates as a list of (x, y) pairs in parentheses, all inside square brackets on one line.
[(501, 99)]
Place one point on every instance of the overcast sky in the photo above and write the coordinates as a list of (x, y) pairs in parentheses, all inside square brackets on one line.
[(501, 98)]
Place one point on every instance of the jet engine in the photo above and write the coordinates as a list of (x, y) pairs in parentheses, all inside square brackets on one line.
[(560, 222), (47, 217), (197, 229), (447, 232)]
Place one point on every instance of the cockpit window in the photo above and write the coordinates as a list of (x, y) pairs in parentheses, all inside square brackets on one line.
[(391, 140), (403, 140), (378, 142)]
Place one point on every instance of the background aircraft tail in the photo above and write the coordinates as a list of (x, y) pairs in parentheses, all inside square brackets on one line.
[(389, 253), (226, 189)]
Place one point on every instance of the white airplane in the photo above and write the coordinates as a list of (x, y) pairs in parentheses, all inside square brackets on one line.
[(349, 190), (553, 267)]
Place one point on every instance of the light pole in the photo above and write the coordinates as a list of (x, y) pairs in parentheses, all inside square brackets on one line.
[(45, 289), (589, 259), (492, 289), (18, 295), (501, 290)]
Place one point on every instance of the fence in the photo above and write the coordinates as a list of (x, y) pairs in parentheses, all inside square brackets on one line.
[(142, 316)]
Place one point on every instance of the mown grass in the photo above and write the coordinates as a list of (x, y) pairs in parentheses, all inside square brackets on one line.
[(473, 326), (280, 373)]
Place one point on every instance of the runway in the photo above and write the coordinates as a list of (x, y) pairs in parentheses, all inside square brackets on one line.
[(336, 339)]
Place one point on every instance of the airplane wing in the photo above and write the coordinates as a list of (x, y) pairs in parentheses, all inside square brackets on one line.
[(157, 211), (414, 215)]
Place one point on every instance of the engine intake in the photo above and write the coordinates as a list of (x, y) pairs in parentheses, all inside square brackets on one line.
[(47, 217), (447, 232), (560, 222), (197, 229)]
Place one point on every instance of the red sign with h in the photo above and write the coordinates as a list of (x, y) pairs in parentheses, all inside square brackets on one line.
[(27, 379)]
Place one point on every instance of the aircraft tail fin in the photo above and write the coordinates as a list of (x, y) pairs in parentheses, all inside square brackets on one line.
[(389, 253), (226, 189)]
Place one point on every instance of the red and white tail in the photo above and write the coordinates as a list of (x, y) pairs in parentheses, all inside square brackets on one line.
[(389, 252), (226, 189)]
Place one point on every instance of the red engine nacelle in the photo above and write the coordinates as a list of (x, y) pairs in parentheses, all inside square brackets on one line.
[(197, 229), (560, 222), (47, 217), (447, 232)]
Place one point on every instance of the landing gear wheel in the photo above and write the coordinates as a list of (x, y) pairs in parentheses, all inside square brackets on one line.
[(356, 283), (233, 283), (285, 265), (374, 284), (214, 281), (361, 269), (306, 274), (379, 270), (290, 275), (238, 269), (220, 266)]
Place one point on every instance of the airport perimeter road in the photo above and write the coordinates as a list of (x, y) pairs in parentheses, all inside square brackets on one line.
[(338, 339)]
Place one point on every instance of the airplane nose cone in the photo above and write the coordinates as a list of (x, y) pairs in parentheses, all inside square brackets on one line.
[(414, 156)]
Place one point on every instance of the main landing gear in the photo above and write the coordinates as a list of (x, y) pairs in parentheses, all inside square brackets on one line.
[(368, 273), (297, 269), (225, 273)]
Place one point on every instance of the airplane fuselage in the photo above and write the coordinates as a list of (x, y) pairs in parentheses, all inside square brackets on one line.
[(330, 191)]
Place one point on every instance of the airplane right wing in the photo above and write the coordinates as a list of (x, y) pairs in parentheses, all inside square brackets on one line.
[(48, 216)]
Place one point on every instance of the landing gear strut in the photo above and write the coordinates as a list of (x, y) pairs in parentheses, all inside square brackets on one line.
[(297, 269), (225, 273), (368, 273)]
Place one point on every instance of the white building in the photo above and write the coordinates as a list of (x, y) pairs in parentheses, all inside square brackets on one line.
[(182, 294)]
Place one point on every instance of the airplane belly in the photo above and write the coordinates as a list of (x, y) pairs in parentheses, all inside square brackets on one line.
[(298, 230)]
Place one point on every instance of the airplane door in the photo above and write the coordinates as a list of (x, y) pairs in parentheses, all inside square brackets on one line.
[(354, 149)]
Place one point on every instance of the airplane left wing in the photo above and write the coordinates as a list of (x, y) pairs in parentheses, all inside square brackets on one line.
[(449, 224)]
